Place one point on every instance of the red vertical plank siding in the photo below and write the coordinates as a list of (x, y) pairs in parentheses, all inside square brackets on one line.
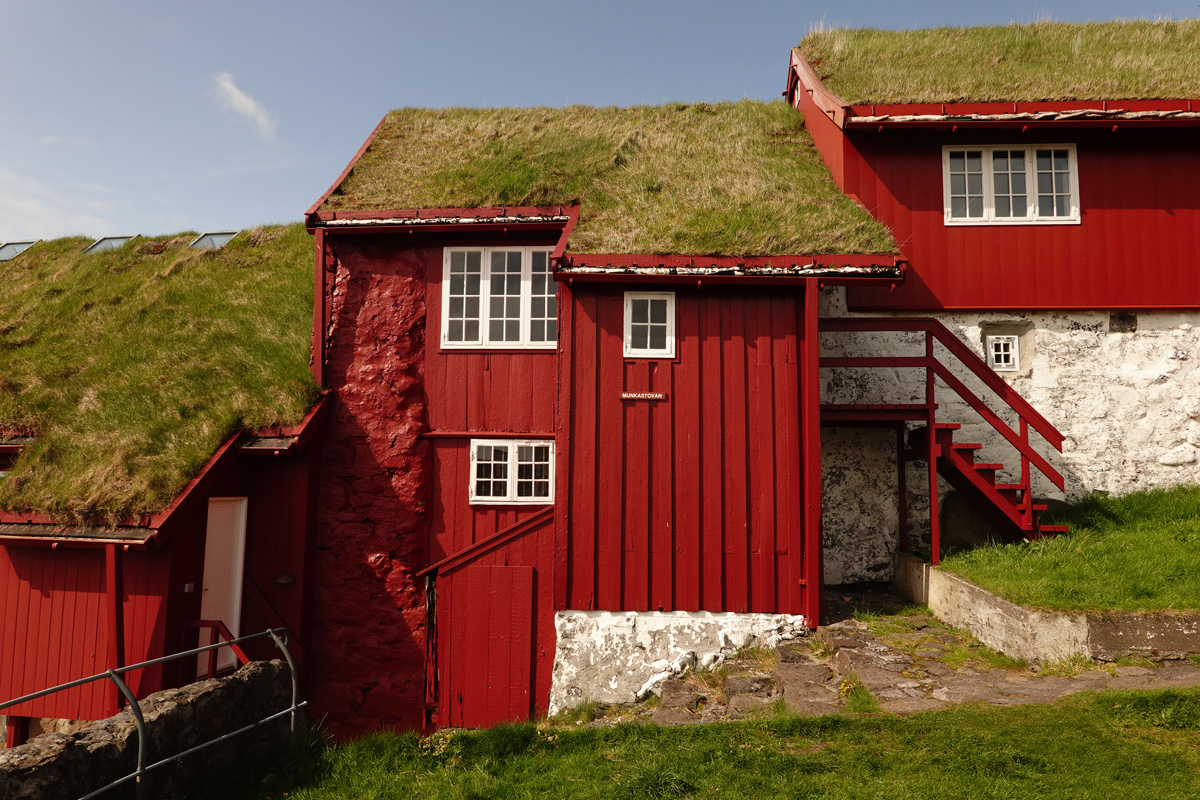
[(562, 443), (703, 515), (578, 524), (1135, 247)]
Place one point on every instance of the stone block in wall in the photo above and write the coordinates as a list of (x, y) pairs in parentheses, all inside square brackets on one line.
[(69, 765)]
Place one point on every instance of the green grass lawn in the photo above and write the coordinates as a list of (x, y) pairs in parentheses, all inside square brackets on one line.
[(1140, 552), (1140, 745)]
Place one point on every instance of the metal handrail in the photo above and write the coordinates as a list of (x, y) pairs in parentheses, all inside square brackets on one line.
[(277, 635)]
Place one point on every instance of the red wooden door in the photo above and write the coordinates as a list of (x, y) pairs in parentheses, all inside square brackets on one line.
[(485, 645)]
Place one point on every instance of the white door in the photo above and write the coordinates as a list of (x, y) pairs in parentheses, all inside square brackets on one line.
[(224, 556)]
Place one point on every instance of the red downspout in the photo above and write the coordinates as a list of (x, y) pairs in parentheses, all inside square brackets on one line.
[(810, 441)]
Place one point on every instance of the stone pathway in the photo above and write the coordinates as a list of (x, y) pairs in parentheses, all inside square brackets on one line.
[(910, 663)]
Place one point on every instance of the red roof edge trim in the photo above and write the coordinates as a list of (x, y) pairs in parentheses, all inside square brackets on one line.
[(305, 428), (158, 520), (483, 213), (561, 248), (353, 162), (808, 81), (650, 260)]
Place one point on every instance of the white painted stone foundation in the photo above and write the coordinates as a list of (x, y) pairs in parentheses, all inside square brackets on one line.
[(1128, 402), (620, 656)]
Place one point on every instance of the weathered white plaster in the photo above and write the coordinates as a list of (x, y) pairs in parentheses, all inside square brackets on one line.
[(621, 656), (1128, 404)]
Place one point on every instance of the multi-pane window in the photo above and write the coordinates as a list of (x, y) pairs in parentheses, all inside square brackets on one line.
[(1003, 354), (512, 471), (499, 297), (650, 324), (1002, 184)]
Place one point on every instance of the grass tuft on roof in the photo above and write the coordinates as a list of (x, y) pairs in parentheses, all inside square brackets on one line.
[(132, 366), (736, 179), (1125, 60)]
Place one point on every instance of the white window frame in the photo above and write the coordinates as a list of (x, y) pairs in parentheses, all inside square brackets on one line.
[(649, 352), (483, 341), (511, 498), (989, 206), (1015, 352)]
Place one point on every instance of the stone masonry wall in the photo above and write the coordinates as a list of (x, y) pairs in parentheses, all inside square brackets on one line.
[(366, 659), (1123, 388), (59, 765)]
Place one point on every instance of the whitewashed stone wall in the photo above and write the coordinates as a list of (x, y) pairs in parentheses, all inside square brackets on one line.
[(621, 656), (1128, 403)]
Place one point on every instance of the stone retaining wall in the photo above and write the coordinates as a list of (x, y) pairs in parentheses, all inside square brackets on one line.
[(61, 765), (1044, 636)]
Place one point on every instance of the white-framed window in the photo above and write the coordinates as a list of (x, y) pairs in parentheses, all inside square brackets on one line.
[(1010, 184), (1003, 353), (512, 471), (498, 297), (649, 324)]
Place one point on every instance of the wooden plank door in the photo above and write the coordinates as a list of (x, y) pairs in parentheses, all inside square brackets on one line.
[(224, 558), (485, 645)]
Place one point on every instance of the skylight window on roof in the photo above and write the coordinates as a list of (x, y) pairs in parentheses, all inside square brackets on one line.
[(213, 240), (10, 250), (106, 243)]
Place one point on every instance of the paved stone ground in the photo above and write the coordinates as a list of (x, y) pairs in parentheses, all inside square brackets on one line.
[(911, 663)]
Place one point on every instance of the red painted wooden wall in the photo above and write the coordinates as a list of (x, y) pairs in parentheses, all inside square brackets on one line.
[(495, 628), (694, 502), (56, 627), (1137, 246)]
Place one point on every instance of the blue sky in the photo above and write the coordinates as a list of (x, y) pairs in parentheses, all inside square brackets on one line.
[(159, 117)]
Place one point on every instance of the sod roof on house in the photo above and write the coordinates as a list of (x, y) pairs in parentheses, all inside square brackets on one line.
[(132, 366), (737, 179), (1035, 61)]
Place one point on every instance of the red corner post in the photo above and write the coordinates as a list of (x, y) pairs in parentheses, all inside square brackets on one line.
[(810, 442), (114, 594)]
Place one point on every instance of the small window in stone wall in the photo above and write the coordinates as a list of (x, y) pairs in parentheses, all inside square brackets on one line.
[(1003, 353)]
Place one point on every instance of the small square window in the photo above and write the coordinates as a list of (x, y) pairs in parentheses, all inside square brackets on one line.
[(509, 471), (649, 324), (1003, 353)]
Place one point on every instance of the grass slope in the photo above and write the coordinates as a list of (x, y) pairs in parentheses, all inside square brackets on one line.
[(132, 367), (1021, 61), (1140, 552), (723, 179), (1143, 745)]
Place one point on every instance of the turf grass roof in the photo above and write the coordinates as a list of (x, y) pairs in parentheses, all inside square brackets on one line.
[(1022, 61), (733, 179), (132, 366)]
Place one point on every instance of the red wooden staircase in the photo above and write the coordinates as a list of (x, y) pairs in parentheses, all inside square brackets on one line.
[(1010, 507)]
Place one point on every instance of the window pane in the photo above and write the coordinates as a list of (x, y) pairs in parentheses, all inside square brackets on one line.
[(1019, 207), (658, 311), (641, 310), (1045, 182), (958, 206), (1060, 182), (1046, 205), (1060, 160), (1018, 182), (639, 335), (975, 207), (496, 330), (457, 284), (473, 283), (975, 161), (1003, 207), (1043, 160), (456, 330), (1001, 183), (957, 160), (512, 330), (471, 334), (1000, 160), (974, 183), (958, 184), (1018, 160), (552, 331), (1060, 206), (537, 331), (658, 337)]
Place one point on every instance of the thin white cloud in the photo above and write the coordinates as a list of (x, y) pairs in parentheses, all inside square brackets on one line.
[(231, 98), (31, 210), (53, 140)]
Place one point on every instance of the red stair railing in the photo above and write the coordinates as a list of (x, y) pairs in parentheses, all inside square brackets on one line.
[(935, 331)]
